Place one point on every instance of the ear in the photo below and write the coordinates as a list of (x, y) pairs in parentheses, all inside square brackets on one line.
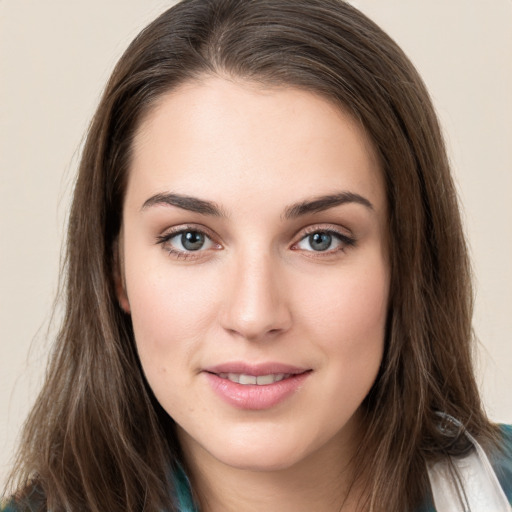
[(119, 278)]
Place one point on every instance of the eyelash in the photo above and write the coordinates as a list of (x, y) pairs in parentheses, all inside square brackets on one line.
[(178, 254), (345, 241)]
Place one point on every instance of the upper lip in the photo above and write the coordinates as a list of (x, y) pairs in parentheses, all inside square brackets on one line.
[(255, 369)]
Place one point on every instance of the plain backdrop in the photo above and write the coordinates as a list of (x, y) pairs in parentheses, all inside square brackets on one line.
[(55, 57)]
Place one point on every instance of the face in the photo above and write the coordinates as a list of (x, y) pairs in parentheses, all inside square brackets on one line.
[(254, 266)]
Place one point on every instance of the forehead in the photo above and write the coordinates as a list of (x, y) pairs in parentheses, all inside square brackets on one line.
[(217, 136)]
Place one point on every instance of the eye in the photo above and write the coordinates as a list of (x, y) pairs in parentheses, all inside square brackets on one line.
[(184, 242), (324, 241), (189, 241)]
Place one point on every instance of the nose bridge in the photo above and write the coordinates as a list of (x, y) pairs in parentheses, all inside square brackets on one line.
[(256, 305)]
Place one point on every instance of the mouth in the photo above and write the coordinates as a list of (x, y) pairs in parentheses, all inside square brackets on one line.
[(256, 387), (258, 380)]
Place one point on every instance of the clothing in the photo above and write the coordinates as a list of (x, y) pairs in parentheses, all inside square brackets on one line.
[(470, 482), (499, 470), (501, 464)]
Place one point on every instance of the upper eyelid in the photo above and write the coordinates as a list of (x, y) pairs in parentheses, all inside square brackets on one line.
[(329, 228), (176, 230)]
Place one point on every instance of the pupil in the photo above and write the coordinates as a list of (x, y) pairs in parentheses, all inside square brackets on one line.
[(192, 240), (320, 241)]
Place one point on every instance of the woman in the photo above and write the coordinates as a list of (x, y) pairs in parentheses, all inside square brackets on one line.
[(268, 296)]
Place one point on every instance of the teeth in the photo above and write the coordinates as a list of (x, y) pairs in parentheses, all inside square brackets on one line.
[(247, 379), (260, 380), (234, 377)]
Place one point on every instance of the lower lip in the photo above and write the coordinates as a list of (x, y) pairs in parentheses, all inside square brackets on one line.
[(252, 396)]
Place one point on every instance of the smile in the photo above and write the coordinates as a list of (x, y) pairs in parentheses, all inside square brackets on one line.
[(255, 387), (260, 380)]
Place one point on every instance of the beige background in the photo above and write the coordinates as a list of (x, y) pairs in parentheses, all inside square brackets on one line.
[(55, 56)]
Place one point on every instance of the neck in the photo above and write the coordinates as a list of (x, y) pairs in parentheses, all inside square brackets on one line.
[(323, 481)]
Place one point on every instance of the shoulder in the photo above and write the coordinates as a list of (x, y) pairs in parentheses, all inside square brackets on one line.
[(501, 460), (14, 506), (183, 491), (8, 506), (30, 499)]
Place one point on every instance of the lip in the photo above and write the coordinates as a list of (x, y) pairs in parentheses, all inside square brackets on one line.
[(254, 369), (251, 396)]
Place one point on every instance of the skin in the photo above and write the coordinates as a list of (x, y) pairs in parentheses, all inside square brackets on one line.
[(257, 291)]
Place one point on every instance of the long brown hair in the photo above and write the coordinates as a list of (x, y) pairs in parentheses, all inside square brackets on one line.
[(96, 438)]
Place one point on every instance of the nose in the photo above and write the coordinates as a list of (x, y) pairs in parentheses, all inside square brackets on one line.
[(256, 305)]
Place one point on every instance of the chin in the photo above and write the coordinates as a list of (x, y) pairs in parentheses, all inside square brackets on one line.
[(258, 459), (262, 451)]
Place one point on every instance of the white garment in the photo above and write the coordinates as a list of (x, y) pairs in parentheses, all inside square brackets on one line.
[(467, 484)]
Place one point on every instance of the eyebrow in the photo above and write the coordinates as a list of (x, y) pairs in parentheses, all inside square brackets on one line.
[(321, 203), (192, 204), (204, 207)]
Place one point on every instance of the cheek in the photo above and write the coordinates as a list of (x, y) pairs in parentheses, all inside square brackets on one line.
[(166, 329), (349, 311), (346, 318), (349, 323), (171, 308)]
